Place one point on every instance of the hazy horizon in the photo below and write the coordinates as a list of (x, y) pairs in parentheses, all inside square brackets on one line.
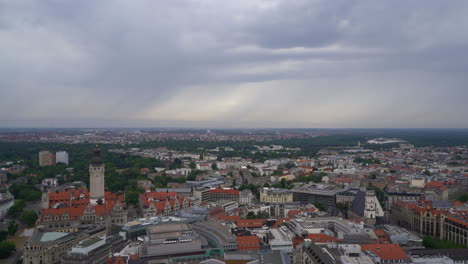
[(233, 64)]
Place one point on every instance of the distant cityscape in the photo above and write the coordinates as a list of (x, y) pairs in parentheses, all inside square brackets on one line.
[(133, 136), (381, 200), (233, 132)]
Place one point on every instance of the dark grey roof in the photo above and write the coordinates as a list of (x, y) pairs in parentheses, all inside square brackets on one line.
[(317, 254), (441, 204), (359, 204), (358, 238), (96, 160), (453, 253)]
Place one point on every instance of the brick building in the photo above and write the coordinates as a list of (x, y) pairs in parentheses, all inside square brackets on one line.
[(224, 194)]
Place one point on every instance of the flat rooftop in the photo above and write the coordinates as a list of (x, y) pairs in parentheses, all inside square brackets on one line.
[(51, 236)]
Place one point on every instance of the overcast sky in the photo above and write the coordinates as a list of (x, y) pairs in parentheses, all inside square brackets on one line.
[(233, 63)]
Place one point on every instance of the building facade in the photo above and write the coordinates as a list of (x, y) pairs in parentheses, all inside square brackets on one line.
[(96, 176), (93, 250), (48, 247), (111, 212), (46, 158), (6, 201), (423, 218), (224, 194), (272, 195), (61, 157), (162, 203)]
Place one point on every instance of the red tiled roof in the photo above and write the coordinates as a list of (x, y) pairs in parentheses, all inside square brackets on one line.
[(280, 221), (70, 197), (248, 243), (79, 206), (248, 239), (458, 221), (386, 251), (250, 222), (297, 241), (292, 213), (342, 180), (321, 238), (227, 217), (382, 236), (153, 197), (72, 212), (117, 260)]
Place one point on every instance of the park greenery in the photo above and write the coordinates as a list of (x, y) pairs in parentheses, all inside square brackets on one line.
[(29, 218), (436, 243), (123, 170), (17, 208), (7, 247), (366, 161), (25, 192), (259, 215), (463, 198)]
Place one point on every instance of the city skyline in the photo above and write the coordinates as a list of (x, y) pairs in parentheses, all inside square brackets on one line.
[(233, 64)]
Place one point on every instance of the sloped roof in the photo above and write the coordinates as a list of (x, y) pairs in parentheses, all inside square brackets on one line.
[(386, 251)]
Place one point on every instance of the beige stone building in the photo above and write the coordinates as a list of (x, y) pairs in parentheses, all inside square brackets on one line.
[(48, 247), (275, 195), (96, 176), (46, 158), (428, 219)]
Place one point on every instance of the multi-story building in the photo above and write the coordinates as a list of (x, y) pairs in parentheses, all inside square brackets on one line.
[(275, 195), (171, 240), (96, 176), (3, 177), (386, 253), (246, 197), (162, 203), (366, 206), (395, 193), (217, 233), (46, 158), (311, 253), (316, 193), (224, 194), (345, 197), (317, 225), (61, 157), (93, 250), (455, 229), (68, 198), (432, 218), (343, 227), (49, 183), (248, 243), (72, 208), (6, 201), (48, 247), (202, 194), (111, 212)]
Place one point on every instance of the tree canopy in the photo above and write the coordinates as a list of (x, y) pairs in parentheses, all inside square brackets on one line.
[(29, 218)]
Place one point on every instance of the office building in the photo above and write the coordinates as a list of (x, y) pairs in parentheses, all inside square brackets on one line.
[(46, 158), (61, 157)]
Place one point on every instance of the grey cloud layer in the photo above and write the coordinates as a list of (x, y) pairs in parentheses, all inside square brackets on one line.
[(234, 63)]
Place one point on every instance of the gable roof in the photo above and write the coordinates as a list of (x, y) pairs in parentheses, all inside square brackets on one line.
[(386, 251)]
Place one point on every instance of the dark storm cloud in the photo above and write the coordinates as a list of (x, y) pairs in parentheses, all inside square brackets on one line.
[(329, 63)]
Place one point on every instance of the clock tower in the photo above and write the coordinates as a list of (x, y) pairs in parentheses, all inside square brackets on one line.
[(96, 176)]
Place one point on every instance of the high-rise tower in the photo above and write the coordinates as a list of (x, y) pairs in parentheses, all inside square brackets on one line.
[(96, 176)]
